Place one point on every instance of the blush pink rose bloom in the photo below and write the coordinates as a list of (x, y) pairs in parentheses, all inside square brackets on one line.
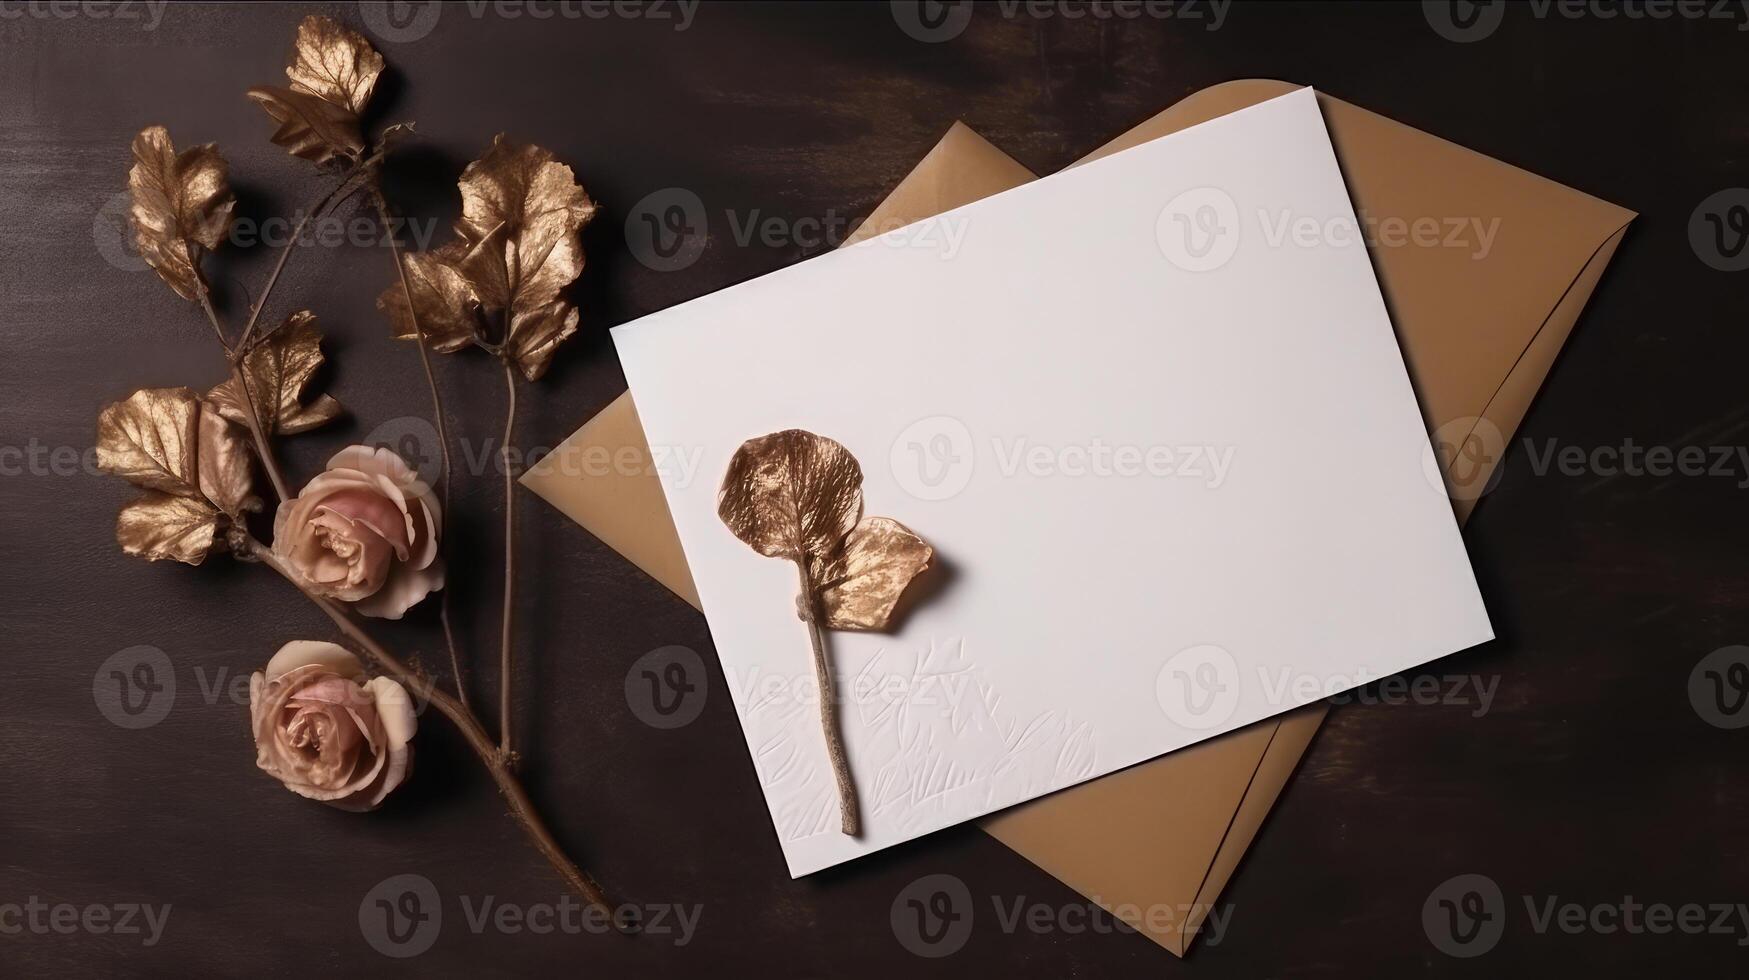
[(326, 732), (364, 531)]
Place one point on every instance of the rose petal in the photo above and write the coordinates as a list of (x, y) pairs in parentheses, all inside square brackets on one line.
[(405, 588)]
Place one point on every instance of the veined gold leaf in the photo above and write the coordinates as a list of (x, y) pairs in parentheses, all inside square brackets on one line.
[(181, 204), (796, 495), (535, 335), (522, 211), (861, 584), (333, 71), (792, 494), (276, 370), (517, 248), (159, 526), (224, 466), (194, 466), (152, 440), (334, 63), (447, 308), (309, 127)]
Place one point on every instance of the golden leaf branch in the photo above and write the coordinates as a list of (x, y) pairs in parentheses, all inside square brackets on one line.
[(439, 416)]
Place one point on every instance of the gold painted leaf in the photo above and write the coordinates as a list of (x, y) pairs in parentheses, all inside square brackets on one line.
[(333, 71), (442, 296), (791, 494), (796, 495), (151, 440), (522, 211), (859, 586), (181, 204), (310, 128), (334, 63), (159, 526), (224, 466), (276, 370), (194, 467), (535, 336)]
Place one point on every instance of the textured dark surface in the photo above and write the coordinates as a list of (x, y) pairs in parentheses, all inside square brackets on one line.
[(1592, 778)]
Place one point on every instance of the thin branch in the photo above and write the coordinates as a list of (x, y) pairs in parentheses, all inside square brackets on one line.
[(521, 808), (250, 415), (438, 415), (504, 723), (285, 251), (849, 819)]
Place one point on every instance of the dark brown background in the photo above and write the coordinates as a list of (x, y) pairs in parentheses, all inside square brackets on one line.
[(1592, 778)]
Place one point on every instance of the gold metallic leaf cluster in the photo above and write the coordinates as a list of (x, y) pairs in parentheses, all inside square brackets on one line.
[(181, 205), (276, 370), (517, 247), (333, 71), (193, 465), (796, 495)]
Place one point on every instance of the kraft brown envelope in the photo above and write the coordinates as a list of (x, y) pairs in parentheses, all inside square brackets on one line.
[(1480, 324)]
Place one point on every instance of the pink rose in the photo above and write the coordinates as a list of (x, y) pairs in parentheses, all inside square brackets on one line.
[(364, 531), (326, 732)]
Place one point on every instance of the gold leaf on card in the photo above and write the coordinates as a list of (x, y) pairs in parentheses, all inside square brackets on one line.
[(796, 495), (277, 368), (194, 467), (333, 71), (181, 205), (792, 494), (862, 583)]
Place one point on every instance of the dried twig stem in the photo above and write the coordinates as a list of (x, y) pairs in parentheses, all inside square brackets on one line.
[(850, 820), (439, 416), (504, 719)]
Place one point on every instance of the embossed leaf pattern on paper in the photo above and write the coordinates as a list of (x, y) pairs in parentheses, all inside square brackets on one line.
[(333, 71), (518, 246), (192, 464), (796, 495), (181, 205), (277, 369)]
